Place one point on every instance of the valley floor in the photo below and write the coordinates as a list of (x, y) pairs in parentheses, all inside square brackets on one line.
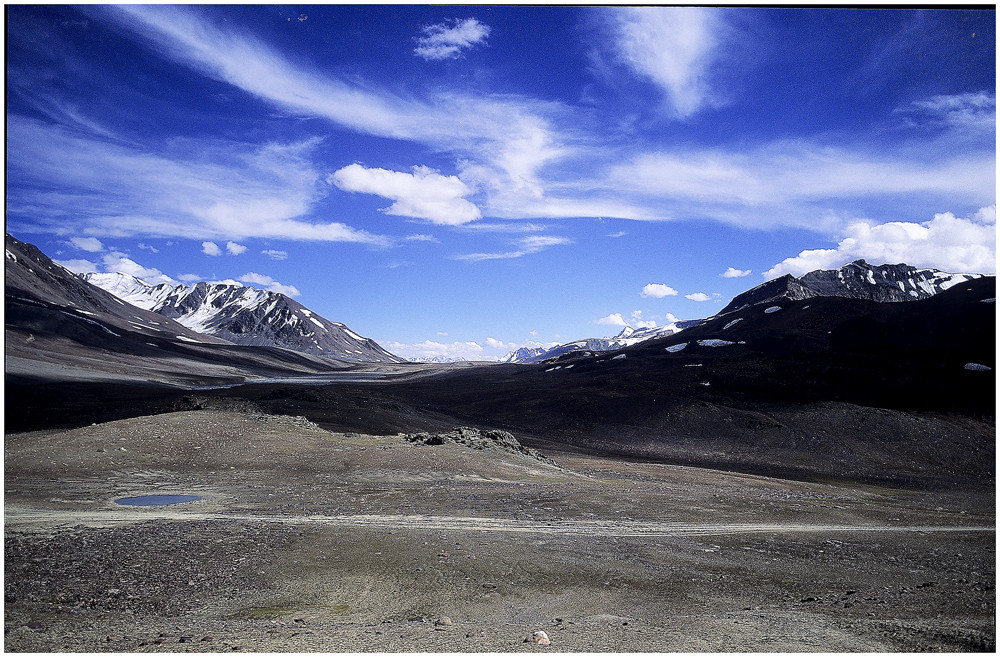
[(309, 540)]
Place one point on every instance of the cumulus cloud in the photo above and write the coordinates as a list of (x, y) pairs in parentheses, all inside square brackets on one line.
[(211, 249), (638, 322), (524, 246), (235, 249), (698, 296), (423, 194), (675, 48), (89, 244), (117, 261), (946, 242), (733, 272), (614, 319), (448, 39), (270, 284), (275, 254), (658, 291), (493, 343)]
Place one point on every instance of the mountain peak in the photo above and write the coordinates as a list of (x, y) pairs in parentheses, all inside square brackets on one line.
[(247, 316), (857, 280)]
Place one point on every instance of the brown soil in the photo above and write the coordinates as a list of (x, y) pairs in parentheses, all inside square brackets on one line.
[(309, 540)]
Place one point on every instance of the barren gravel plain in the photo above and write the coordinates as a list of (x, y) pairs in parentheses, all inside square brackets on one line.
[(305, 539)]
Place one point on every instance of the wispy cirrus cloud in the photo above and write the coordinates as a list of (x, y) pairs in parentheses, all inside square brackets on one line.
[(675, 48), (191, 189), (448, 39), (796, 183), (524, 246)]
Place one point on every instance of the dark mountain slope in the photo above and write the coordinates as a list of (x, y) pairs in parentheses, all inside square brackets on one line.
[(58, 327), (856, 280), (823, 387)]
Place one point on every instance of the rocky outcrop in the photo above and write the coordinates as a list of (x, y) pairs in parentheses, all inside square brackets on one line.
[(486, 439)]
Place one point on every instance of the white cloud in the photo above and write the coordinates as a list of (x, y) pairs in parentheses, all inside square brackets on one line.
[(211, 249), (524, 246), (446, 40), (614, 319), (698, 296), (79, 266), (946, 242), (424, 194), (798, 183), (420, 237), (275, 254), (116, 261), (147, 247), (501, 141), (658, 291), (89, 244), (974, 110), (493, 343), (638, 322), (431, 349), (270, 284), (208, 189), (235, 249), (189, 278), (732, 272), (675, 47)]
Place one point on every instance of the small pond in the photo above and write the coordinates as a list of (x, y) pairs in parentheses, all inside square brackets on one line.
[(157, 500)]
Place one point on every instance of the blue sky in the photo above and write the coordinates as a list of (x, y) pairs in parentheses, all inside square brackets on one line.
[(463, 180)]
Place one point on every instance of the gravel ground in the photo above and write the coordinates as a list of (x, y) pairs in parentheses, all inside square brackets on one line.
[(308, 540)]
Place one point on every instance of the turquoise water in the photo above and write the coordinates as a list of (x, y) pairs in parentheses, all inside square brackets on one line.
[(156, 500)]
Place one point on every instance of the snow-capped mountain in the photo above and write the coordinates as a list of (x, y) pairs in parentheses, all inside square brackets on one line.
[(857, 280), (247, 316), (44, 295), (626, 338)]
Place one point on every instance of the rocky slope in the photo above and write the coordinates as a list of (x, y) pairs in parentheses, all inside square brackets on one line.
[(247, 316), (857, 280)]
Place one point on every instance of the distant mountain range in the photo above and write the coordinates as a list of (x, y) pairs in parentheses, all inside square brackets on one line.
[(627, 337), (246, 316), (232, 314), (58, 326), (857, 280)]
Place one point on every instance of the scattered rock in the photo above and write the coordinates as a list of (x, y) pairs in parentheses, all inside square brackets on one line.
[(477, 439), (539, 637), (208, 638), (444, 621)]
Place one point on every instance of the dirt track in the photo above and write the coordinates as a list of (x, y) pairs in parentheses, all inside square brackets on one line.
[(307, 540), (17, 518)]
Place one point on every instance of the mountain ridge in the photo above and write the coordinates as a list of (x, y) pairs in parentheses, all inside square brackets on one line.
[(887, 283), (247, 316)]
